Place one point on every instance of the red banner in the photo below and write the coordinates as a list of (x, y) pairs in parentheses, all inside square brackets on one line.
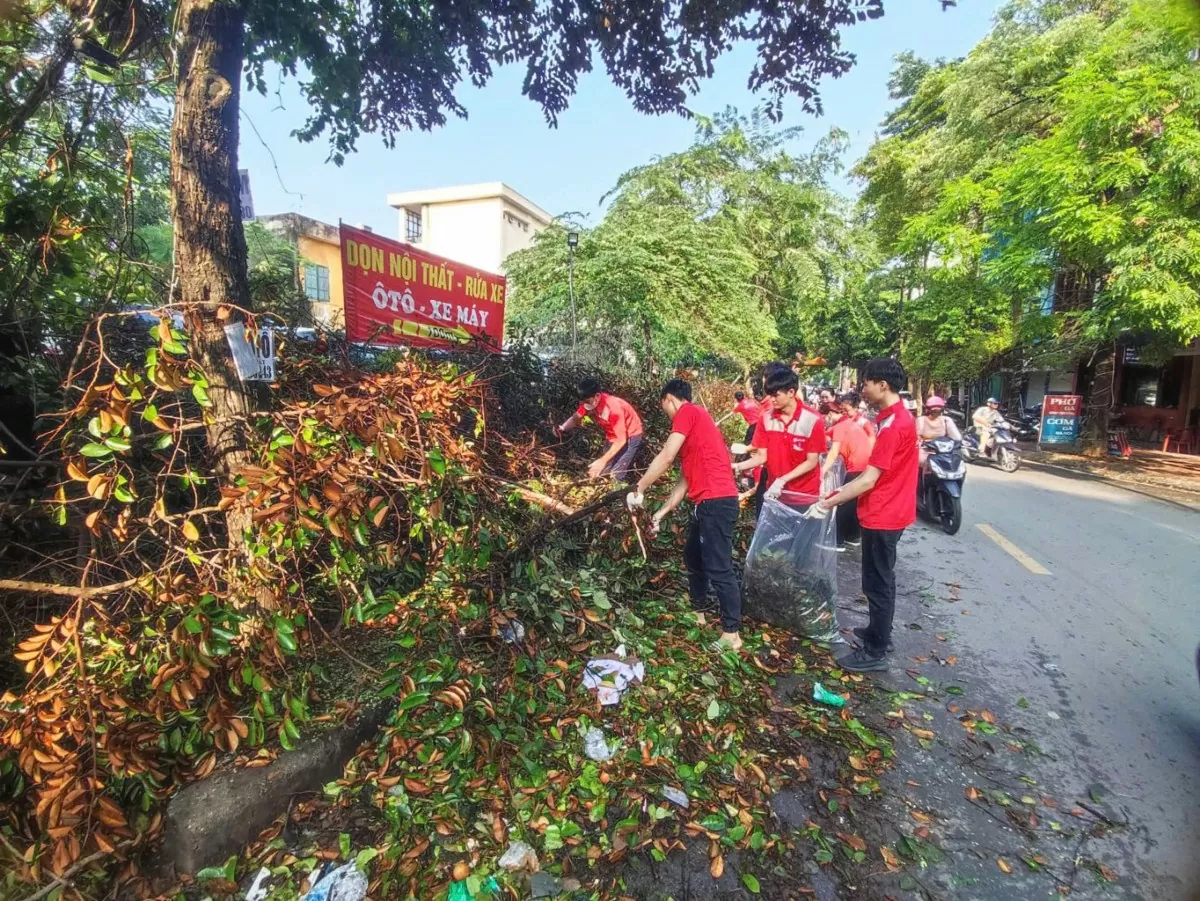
[(396, 294)]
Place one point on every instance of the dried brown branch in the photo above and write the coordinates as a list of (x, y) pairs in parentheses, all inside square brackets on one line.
[(67, 591)]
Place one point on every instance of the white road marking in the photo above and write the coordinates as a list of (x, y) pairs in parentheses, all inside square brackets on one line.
[(1015, 552)]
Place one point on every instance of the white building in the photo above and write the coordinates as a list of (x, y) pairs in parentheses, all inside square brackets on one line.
[(479, 225)]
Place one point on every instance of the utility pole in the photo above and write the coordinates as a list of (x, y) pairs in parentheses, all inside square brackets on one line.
[(572, 242)]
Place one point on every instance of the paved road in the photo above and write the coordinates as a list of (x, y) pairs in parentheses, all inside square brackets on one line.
[(1091, 614)]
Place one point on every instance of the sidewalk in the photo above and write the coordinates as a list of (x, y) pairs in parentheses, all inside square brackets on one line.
[(1172, 477)]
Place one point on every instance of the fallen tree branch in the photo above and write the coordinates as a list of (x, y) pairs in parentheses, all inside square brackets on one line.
[(66, 591), (605, 500), (545, 501)]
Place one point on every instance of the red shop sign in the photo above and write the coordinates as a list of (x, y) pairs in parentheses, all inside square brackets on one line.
[(396, 294)]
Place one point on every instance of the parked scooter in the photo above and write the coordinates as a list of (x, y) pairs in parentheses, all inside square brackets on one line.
[(939, 489), (1003, 451)]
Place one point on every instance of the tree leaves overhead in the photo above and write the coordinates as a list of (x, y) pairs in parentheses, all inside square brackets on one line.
[(391, 66)]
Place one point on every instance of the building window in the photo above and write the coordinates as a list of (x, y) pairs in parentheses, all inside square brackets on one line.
[(316, 282), (412, 226)]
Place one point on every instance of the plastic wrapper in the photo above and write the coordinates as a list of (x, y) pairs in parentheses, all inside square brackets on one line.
[(790, 579)]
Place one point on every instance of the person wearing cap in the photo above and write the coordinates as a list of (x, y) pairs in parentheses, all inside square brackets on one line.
[(621, 424), (850, 444), (789, 441), (984, 419), (886, 493), (706, 478)]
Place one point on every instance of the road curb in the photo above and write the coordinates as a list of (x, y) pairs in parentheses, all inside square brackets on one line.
[(1189, 500)]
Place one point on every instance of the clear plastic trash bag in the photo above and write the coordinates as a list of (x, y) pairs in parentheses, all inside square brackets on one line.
[(790, 578)]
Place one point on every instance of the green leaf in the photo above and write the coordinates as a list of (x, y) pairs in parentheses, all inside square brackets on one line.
[(95, 450), (344, 845), (751, 883), (714, 709), (199, 392), (414, 699), (953, 689), (364, 858)]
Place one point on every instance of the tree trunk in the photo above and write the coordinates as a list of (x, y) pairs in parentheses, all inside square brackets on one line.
[(1099, 403), (210, 246)]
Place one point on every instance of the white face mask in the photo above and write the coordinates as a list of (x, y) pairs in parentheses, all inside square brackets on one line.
[(589, 407)]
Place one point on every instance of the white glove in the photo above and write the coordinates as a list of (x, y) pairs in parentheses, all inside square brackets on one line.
[(816, 511), (776, 488), (634, 499), (738, 448), (656, 522)]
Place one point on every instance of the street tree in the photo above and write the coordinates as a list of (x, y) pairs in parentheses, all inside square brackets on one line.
[(733, 248), (1044, 187)]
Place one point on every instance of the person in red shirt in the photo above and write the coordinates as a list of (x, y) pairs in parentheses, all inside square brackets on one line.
[(887, 504), (706, 478), (850, 406), (622, 429), (750, 410), (789, 441), (850, 444)]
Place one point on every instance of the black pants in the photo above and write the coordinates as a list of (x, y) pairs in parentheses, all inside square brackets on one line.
[(847, 516), (879, 584), (709, 558), (760, 492)]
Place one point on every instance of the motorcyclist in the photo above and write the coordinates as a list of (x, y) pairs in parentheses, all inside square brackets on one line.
[(934, 425), (984, 419)]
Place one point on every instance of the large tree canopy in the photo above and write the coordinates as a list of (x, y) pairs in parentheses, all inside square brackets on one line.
[(733, 249), (1046, 186)]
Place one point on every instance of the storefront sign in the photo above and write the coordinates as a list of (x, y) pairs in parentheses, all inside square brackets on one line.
[(396, 294), (1060, 418)]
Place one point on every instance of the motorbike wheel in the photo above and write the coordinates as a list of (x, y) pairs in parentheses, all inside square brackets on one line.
[(951, 514), (1010, 460)]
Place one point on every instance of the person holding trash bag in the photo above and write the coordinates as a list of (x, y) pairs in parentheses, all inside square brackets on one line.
[(706, 478), (622, 429), (887, 504), (789, 440)]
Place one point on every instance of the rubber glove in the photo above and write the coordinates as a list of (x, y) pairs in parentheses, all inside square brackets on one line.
[(634, 499), (776, 488), (816, 511), (738, 448)]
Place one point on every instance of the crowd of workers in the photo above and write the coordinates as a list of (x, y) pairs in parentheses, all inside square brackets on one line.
[(822, 455)]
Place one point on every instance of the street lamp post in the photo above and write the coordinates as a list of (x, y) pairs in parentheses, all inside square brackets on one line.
[(572, 242)]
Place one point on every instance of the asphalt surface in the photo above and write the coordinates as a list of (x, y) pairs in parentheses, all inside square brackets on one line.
[(1070, 611)]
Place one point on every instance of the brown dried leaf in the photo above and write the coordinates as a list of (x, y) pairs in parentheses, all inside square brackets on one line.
[(890, 858), (1004, 865), (717, 868), (858, 763), (854, 841)]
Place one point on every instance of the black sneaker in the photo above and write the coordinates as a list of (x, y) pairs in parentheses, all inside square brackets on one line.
[(862, 661), (860, 632)]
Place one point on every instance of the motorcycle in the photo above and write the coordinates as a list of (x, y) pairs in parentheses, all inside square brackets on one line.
[(939, 488), (1003, 451)]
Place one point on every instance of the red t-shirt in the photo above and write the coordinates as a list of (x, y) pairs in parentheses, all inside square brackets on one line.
[(704, 457), (789, 443), (892, 503), (854, 447), (749, 409), (617, 417), (866, 424)]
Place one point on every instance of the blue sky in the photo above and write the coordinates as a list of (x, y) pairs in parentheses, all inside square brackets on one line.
[(569, 168)]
